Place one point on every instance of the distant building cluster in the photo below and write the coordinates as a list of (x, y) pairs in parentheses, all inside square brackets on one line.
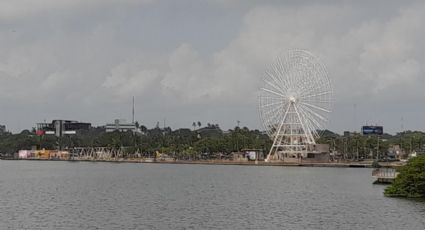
[(69, 127)]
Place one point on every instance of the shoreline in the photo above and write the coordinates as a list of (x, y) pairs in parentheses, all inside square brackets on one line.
[(214, 162)]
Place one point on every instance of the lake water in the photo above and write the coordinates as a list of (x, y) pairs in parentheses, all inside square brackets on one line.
[(66, 195)]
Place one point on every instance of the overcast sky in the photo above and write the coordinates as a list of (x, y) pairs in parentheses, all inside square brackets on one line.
[(203, 60)]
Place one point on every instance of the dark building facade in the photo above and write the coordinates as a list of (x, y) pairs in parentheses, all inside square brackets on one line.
[(61, 127)]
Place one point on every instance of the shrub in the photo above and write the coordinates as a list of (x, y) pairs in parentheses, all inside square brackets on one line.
[(411, 180)]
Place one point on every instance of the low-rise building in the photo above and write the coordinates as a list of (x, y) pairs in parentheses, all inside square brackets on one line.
[(315, 153), (395, 152), (249, 155), (61, 127), (121, 125)]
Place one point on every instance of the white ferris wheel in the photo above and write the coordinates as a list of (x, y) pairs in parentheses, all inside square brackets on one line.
[(294, 103)]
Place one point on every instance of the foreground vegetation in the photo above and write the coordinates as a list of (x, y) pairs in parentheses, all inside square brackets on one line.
[(411, 180)]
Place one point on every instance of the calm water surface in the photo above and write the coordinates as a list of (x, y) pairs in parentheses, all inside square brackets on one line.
[(65, 195)]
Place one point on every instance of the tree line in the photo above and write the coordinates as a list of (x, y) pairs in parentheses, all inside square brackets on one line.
[(207, 142), (357, 146)]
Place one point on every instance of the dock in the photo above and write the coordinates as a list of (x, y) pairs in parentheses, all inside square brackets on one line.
[(384, 175)]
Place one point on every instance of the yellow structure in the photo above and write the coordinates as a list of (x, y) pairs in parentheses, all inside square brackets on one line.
[(51, 154), (42, 154)]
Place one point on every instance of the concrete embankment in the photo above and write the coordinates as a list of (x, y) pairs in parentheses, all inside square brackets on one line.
[(217, 162)]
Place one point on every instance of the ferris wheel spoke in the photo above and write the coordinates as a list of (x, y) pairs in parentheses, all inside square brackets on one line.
[(311, 88), (275, 116), (273, 120), (310, 118), (278, 80), (268, 100), (279, 74), (314, 90), (272, 112), (316, 107), (273, 92), (314, 69), (317, 94), (305, 116), (278, 111), (270, 97), (320, 102), (274, 86), (280, 124), (271, 104), (283, 71), (314, 83), (305, 123), (270, 76), (314, 113)]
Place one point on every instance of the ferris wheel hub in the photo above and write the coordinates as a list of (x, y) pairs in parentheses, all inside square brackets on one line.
[(292, 99)]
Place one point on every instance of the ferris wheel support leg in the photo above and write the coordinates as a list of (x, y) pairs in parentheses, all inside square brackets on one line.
[(268, 155), (276, 138)]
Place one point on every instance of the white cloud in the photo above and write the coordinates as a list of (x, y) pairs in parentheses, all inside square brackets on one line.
[(128, 79), (18, 9), (366, 58)]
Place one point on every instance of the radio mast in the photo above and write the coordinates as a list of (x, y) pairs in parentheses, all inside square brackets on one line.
[(133, 111)]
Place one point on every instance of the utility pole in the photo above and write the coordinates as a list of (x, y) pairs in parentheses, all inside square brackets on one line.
[(355, 115), (357, 148), (377, 150), (401, 133), (133, 112)]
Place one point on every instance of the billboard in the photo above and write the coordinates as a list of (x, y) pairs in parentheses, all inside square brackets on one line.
[(372, 130)]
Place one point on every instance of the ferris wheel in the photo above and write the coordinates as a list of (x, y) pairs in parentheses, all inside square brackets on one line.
[(294, 103)]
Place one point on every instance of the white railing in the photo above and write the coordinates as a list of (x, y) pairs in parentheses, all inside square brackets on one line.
[(385, 173)]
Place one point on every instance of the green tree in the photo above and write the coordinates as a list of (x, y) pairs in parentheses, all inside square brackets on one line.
[(411, 180)]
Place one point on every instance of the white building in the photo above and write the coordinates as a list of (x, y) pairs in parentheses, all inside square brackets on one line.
[(121, 125), (2, 129)]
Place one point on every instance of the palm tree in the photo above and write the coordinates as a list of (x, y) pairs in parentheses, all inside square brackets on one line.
[(194, 126), (199, 124)]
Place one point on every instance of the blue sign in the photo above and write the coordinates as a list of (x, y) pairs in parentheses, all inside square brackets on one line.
[(372, 130)]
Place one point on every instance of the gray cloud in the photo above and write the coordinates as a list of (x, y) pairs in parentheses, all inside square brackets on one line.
[(204, 60)]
